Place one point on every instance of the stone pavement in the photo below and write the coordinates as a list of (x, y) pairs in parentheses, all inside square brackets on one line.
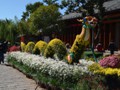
[(12, 79)]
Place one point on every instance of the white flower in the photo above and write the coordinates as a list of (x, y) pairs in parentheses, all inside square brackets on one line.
[(52, 67)]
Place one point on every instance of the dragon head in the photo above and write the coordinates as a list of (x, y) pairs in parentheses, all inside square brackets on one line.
[(88, 21)]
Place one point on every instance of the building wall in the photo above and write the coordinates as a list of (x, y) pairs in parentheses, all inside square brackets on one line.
[(117, 35), (111, 29), (72, 28)]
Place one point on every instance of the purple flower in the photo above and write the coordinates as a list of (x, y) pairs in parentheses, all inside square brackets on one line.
[(110, 61)]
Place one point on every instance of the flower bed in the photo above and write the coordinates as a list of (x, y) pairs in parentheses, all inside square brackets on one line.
[(52, 72)]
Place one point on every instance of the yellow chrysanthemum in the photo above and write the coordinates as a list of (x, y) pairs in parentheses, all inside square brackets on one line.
[(118, 72), (110, 71)]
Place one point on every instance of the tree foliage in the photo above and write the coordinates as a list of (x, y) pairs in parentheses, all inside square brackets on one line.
[(87, 7), (30, 8), (71, 5), (8, 30), (43, 18), (23, 27)]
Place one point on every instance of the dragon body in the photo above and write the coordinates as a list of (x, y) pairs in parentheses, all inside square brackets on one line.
[(82, 40)]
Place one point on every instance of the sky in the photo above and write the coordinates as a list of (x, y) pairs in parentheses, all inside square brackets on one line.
[(11, 8)]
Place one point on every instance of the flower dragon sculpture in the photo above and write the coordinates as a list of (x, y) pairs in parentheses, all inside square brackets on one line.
[(82, 40)]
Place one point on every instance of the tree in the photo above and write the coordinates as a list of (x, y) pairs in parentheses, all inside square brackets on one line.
[(72, 5), (45, 17), (2, 29), (23, 27), (8, 30), (30, 8), (85, 6)]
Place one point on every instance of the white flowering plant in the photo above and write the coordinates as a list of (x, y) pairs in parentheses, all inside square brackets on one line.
[(53, 68)]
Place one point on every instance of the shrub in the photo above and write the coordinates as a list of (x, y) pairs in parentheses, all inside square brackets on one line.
[(22, 45), (55, 46), (29, 47), (40, 47), (110, 61)]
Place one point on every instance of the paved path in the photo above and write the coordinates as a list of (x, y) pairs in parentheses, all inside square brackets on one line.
[(12, 79)]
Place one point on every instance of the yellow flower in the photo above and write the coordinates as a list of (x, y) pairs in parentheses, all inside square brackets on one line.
[(110, 71), (118, 72)]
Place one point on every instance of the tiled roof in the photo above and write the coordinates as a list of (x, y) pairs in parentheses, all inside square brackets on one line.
[(71, 16), (112, 5)]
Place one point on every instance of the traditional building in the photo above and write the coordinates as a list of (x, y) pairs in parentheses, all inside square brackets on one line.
[(111, 23)]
